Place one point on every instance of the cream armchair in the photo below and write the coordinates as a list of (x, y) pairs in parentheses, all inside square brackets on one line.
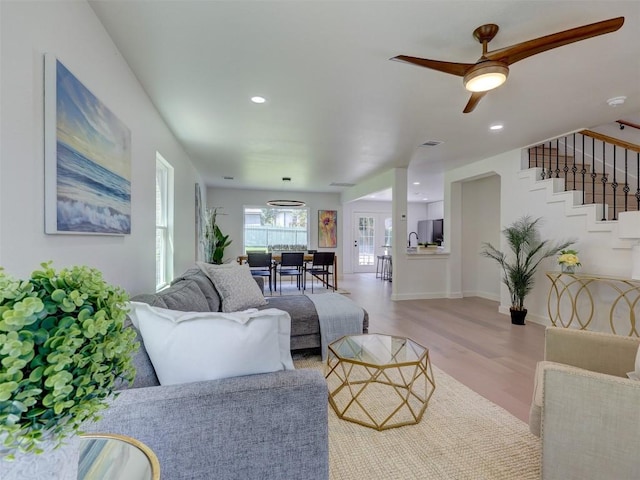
[(585, 408)]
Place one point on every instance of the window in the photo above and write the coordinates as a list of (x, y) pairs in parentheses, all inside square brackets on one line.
[(164, 222), (269, 229), (388, 231)]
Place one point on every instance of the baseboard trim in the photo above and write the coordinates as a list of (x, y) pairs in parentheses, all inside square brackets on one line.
[(424, 296), (486, 295)]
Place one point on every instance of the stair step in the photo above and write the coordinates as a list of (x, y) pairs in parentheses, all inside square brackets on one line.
[(561, 173), (589, 186), (598, 198), (561, 165), (589, 190), (553, 161)]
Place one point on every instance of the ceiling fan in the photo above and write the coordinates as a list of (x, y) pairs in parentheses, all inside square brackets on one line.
[(492, 69)]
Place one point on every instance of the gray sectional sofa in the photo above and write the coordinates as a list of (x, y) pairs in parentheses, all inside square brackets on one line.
[(266, 426), (194, 291)]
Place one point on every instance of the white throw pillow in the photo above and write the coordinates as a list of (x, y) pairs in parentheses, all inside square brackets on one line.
[(635, 375), (193, 346), (237, 288)]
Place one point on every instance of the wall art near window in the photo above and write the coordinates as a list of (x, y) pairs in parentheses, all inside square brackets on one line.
[(327, 228), (87, 159)]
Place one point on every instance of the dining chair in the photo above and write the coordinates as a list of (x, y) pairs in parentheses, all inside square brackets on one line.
[(322, 268), (261, 265), (291, 265)]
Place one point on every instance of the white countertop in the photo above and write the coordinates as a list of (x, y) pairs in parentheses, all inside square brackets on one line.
[(419, 252)]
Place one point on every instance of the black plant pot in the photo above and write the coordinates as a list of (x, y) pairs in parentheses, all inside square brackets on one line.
[(517, 316)]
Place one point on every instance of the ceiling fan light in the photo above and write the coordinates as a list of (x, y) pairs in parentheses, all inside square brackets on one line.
[(486, 76)]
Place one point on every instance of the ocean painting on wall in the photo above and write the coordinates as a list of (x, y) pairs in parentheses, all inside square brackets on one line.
[(87, 159)]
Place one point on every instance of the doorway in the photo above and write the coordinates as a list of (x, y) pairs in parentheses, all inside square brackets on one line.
[(371, 237)]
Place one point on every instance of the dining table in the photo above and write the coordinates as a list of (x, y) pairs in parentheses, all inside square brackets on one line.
[(308, 258)]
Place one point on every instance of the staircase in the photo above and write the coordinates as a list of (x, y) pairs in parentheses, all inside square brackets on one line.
[(600, 170)]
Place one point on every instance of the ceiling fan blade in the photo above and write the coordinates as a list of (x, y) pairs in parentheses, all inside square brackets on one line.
[(473, 101), (458, 69), (520, 51)]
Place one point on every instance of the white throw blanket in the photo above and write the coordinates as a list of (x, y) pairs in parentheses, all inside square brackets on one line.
[(338, 316)]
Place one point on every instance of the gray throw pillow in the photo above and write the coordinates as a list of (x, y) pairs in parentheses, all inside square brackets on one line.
[(235, 285)]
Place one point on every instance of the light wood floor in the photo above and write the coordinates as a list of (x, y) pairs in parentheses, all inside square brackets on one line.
[(467, 338)]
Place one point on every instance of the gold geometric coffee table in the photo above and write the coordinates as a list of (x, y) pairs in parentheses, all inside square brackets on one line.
[(379, 381)]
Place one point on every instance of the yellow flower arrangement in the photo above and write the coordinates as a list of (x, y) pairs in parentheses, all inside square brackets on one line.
[(569, 258)]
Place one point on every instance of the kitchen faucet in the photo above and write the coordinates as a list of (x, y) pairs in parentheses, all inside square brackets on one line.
[(409, 240)]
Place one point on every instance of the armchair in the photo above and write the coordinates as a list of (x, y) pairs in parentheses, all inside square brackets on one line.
[(585, 408)]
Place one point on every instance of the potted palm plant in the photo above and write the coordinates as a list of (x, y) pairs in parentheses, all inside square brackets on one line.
[(63, 348), (519, 267), (213, 239)]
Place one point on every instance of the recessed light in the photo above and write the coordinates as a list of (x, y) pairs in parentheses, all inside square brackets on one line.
[(496, 127), (416, 183), (615, 101), (258, 99), (425, 199)]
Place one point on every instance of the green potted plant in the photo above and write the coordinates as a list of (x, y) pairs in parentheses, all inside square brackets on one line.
[(519, 267), (63, 348), (214, 240)]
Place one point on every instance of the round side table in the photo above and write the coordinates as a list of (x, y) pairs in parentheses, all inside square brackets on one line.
[(110, 456)]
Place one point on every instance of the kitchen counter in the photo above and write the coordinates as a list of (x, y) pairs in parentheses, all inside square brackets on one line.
[(421, 251)]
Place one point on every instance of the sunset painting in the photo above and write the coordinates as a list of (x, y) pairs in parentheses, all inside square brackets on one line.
[(88, 160)]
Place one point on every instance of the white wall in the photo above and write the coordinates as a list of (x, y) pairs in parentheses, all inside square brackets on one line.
[(232, 201), (435, 210), (415, 212), (600, 251), (628, 134), (72, 32), (480, 223)]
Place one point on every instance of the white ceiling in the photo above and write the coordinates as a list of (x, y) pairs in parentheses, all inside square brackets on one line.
[(338, 110)]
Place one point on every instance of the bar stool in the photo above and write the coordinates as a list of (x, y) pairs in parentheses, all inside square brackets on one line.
[(379, 266), (387, 267)]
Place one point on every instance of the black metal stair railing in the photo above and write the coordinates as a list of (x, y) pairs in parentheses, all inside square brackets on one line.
[(584, 159)]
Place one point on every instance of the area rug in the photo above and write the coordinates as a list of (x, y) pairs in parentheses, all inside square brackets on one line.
[(461, 436)]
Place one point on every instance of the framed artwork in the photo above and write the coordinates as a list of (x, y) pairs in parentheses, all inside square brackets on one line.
[(327, 228), (87, 159)]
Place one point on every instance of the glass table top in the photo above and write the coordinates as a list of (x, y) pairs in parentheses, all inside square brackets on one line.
[(116, 457), (377, 349)]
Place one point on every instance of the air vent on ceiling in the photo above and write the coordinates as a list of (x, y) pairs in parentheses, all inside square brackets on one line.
[(431, 143), (228, 178), (341, 184)]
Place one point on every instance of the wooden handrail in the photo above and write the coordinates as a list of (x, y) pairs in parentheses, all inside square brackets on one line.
[(628, 124), (608, 139)]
